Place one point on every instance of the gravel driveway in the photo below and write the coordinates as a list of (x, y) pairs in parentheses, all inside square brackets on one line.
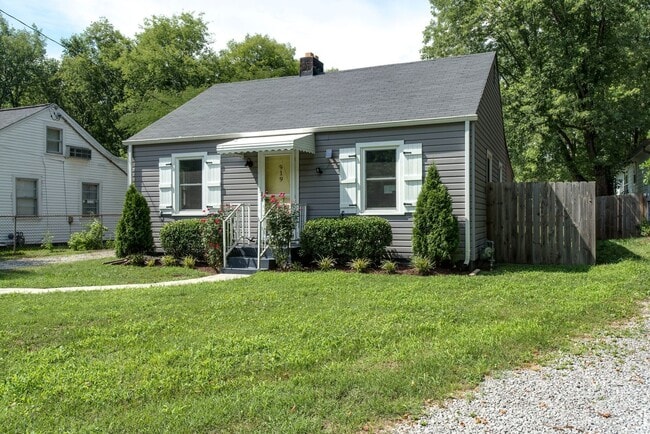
[(31, 262), (606, 389)]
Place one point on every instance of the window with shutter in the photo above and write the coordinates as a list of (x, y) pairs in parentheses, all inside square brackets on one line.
[(410, 161), (165, 170), (189, 184)]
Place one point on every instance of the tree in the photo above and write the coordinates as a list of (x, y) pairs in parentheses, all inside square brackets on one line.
[(256, 57), (92, 83), (133, 231), (23, 66), (575, 76), (435, 228)]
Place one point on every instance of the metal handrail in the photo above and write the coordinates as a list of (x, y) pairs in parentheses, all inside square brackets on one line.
[(236, 228), (262, 238)]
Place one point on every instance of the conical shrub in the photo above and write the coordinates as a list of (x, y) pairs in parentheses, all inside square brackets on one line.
[(133, 231)]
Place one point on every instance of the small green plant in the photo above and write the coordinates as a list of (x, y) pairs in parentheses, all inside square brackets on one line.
[(189, 262), (325, 263), (47, 244), (168, 261), (296, 266), (90, 239), (109, 244), (422, 265), (151, 262), (360, 265), (136, 259), (388, 266), (645, 228)]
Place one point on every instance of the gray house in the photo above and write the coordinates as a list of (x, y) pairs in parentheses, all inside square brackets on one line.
[(336, 143)]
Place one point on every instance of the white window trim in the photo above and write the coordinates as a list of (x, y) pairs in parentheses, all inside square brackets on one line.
[(38, 195), (489, 163), (50, 126), (176, 197), (361, 148), (99, 194)]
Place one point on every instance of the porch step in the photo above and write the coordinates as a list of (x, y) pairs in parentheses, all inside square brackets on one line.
[(243, 259)]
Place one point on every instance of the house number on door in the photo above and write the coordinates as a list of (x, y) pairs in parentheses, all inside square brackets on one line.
[(281, 172)]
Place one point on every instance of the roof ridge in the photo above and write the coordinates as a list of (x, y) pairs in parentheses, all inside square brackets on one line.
[(25, 107)]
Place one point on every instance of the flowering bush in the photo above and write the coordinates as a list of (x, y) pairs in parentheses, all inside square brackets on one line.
[(212, 237), (281, 219)]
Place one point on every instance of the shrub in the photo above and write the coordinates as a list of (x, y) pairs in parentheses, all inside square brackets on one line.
[(326, 263), (133, 231), (389, 267), (360, 265), (47, 244), (212, 238), (189, 262), (281, 219), (182, 238), (168, 261), (645, 228), (346, 238), (435, 228), (422, 265), (90, 239), (151, 262)]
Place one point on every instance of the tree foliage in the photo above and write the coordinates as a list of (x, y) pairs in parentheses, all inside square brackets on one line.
[(435, 228), (133, 231), (23, 66), (256, 57), (575, 76)]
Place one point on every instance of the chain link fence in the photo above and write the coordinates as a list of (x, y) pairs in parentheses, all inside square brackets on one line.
[(16, 231)]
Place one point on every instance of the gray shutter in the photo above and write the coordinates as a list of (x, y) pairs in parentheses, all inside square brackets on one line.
[(410, 165), (348, 180), (213, 181), (165, 185)]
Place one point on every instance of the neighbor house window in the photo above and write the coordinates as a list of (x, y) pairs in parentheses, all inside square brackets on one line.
[(89, 199), (380, 169), (54, 141), (26, 197), (190, 184), (489, 166)]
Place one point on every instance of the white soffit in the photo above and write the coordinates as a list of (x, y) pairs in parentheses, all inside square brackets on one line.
[(301, 142)]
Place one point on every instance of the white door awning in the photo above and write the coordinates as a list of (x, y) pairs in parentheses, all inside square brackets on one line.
[(301, 142)]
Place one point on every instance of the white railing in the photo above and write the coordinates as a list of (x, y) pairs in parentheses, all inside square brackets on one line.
[(236, 228)]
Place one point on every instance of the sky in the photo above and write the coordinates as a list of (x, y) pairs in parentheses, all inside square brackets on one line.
[(345, 34)]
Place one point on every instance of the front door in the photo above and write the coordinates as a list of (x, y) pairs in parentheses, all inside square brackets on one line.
[(277, 175)]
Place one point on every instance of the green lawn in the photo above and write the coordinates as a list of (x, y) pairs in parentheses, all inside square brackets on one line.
[(7, 252), (92, 272), (291, 352)]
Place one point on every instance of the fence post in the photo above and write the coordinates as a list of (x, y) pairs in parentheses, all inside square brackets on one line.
[(15, 233)]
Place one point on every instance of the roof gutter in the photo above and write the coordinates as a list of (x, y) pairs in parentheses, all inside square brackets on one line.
[(468, 194), (310, 130)]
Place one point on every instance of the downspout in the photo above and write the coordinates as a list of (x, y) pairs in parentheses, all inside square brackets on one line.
[(129, 164), (468, 195)]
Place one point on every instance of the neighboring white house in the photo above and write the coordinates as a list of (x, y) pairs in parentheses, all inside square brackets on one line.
[(630, 179), (54, 177)]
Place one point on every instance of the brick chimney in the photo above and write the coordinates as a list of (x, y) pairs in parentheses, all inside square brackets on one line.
[(310, 65)]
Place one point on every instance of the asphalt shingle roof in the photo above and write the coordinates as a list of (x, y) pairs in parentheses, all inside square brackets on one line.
[(429, 89), (12, 115)]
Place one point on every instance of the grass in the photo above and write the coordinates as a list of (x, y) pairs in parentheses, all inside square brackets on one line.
[(90, 272), (7, 252), (291, 352)]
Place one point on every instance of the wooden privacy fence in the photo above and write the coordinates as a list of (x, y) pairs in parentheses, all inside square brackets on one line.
[(620, 216), (543, 223)]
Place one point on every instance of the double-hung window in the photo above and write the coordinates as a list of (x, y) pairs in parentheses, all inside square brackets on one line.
[(380, 177), (189, 184), (54, 141), (90, 199), (26, 197)]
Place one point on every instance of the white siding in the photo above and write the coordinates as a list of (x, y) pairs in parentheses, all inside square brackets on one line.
[(22, 155)]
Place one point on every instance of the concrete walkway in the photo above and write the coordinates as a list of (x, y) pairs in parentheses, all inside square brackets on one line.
[(31, 262), (205, 279)]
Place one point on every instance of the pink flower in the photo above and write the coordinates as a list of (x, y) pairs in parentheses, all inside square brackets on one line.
[(281, 195)]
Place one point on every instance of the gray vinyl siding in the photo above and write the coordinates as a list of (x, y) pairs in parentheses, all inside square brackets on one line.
[(238, 182), (442, 144), (489, 135)]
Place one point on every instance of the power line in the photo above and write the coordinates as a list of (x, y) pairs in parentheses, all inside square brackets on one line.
[(34, 29)]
